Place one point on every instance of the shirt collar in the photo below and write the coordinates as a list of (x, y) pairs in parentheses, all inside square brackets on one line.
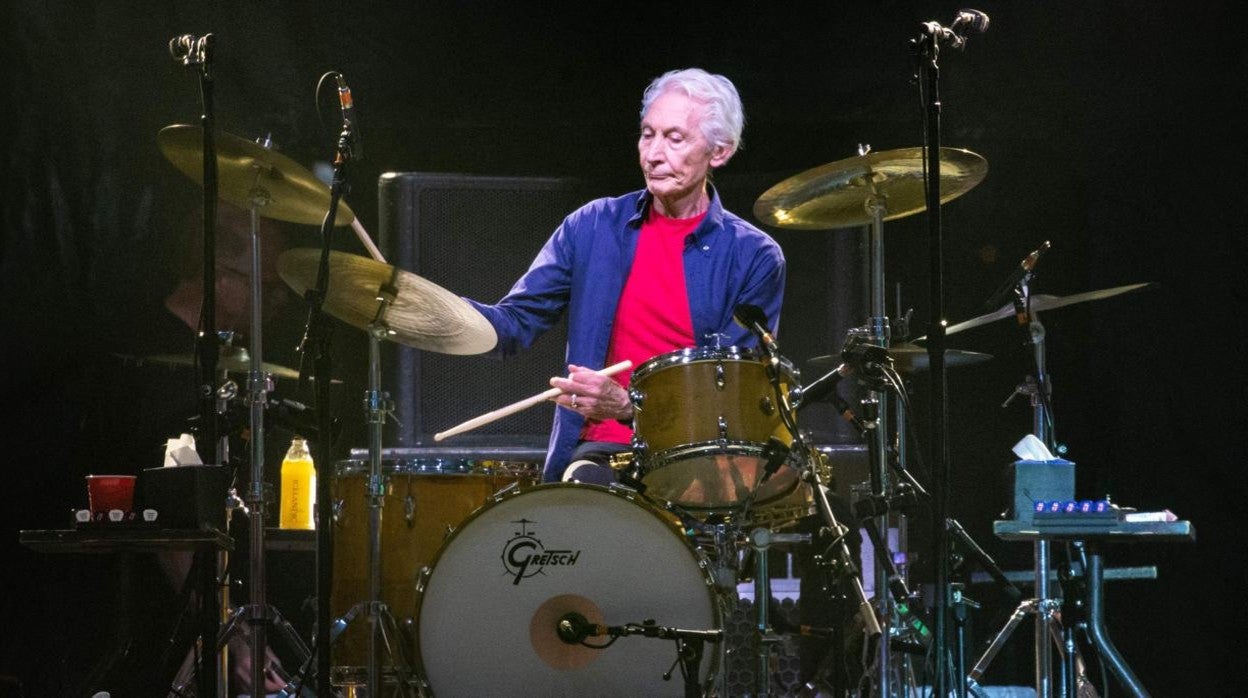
[(714, 212)]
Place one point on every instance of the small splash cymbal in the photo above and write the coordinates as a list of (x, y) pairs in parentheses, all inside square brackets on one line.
[(422, 315), (249, 173), (839, 194), (1041, 301)]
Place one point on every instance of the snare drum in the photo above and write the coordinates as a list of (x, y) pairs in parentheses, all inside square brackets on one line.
[(424, 500), (702, 418), (491, 604)]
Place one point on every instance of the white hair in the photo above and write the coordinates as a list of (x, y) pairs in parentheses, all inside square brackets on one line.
[(724, 118)]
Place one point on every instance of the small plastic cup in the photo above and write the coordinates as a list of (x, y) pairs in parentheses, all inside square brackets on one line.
[(108, 492)]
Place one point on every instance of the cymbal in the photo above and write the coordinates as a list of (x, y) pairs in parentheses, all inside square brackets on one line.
[(422, 315), (250, 173), (910, 358), (232, 360), (1042, 301), (837, 195)]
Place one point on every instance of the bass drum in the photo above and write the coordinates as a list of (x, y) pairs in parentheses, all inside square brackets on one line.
[(490, 606), (424, 499)]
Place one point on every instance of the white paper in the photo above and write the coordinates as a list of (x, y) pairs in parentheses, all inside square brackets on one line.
[(1032, 448), (181, 451)]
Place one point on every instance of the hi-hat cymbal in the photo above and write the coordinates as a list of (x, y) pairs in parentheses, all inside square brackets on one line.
[(249, 174), (1040, 302), (837, 195), (423, 314), (909, 358), (232, 360)]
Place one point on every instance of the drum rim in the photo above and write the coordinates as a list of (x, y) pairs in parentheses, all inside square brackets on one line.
[(438, 466), (690, 355)]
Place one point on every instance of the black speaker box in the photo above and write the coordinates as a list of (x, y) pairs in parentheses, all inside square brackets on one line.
[(474, 236)]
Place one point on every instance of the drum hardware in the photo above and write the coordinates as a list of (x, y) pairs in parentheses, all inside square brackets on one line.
[(254, 177), (573, 629), (388, 303), (869, 189)]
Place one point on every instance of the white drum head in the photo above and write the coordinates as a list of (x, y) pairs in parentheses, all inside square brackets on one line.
[(491, 603)]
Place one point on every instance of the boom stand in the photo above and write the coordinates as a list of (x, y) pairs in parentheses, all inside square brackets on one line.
[(381, 624)]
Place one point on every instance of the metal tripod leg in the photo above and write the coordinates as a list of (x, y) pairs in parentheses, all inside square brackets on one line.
[(381, 623), (1045, 611), (236, 624)]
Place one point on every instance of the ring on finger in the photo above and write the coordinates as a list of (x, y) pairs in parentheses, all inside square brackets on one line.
[(573, 400)]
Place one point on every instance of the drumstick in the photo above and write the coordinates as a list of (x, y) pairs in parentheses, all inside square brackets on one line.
[(521, 405), (362, 234)]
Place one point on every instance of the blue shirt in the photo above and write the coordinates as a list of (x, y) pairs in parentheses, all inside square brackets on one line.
[(582, 268)]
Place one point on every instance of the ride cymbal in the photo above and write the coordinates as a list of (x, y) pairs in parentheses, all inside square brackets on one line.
[(250, 174), (839, 194), (422, 315)]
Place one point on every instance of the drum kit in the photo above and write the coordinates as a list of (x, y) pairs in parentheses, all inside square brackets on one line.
[(479, 577)]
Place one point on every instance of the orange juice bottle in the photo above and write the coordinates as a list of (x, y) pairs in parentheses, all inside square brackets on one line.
[(298, 487)]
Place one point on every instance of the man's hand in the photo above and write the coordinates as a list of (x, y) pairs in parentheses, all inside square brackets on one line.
[(592, 394)]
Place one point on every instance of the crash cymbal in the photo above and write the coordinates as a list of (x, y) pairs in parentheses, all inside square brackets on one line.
[(836, 195), (1040, 302), (909, 358), (422, 315), (232, 360), (250, 173)]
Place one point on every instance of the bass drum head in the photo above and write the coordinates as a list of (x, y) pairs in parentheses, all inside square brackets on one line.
[(491, 603)]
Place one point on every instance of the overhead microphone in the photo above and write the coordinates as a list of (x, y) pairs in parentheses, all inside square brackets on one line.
[(350, 122), (1024, 268), (189, 49), (974, 19)]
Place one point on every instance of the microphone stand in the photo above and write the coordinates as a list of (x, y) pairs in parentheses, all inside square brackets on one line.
[(197, 53), (317, 340)]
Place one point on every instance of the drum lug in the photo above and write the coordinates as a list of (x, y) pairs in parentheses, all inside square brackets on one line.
[(766, 406), (719, 375), (409, 510), (636, 397), (336, 510), (723, 431)]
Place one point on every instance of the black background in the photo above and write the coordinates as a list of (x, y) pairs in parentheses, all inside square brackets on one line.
[(1113, 130)]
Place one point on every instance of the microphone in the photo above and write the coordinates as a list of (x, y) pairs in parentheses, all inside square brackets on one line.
[(974, 19), (1022, 271), (774, 454), (752, 318), (822, 386), (573, 628), (189, 49), (349, 121)]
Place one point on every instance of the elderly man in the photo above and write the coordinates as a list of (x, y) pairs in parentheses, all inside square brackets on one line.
[(649, 272)]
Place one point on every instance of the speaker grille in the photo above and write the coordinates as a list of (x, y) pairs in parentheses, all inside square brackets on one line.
[(474, 236)]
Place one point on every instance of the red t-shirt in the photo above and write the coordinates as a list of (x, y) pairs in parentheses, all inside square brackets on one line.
[(653, 315)]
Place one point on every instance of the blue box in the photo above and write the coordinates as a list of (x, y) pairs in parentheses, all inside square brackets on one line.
[(1032, 481)]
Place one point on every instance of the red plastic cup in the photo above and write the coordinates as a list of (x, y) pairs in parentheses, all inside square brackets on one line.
[(108, 492)]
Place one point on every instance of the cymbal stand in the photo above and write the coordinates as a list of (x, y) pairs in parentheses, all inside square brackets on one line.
[(878, 333), (259, 613), (381, 624), (1048, 626)]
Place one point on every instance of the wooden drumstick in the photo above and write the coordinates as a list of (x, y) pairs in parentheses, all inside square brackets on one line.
[(521, 405)]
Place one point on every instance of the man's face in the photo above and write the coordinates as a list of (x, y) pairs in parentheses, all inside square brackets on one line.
[(675, 156)]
